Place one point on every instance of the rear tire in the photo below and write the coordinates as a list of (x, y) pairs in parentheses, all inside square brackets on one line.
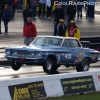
[(84, 66), (15, 65), (49, 66)]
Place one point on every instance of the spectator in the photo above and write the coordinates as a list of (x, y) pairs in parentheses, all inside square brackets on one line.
[(58, 14), (61, 28), (6, 17), (71, 12), (26, 13), (91, 8), (34, 4), (29, 31), (42, 8), (48, 5), (52, 3), (1, 13), (15, 2), (9, 2), (3, 2), (79, 9), (64, 6), (73, 30)]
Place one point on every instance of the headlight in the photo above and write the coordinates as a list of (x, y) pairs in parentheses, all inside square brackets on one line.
[(14, 53), (37, 54), (32, 54), (8, 52)]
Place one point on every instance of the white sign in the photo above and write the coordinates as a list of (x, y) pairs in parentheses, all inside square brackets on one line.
[(98, 77)]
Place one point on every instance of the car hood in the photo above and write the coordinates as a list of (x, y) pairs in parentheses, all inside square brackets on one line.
[(37, 48)]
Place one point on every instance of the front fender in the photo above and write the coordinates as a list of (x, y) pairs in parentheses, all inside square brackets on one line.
[(55, 57)]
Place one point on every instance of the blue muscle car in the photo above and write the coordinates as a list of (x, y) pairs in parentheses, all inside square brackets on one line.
[(51, 52)]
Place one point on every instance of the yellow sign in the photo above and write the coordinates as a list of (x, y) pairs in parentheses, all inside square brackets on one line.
[(15, 94), (21, 93)]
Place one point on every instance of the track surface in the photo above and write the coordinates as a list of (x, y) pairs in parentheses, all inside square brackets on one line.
[(6, 72)]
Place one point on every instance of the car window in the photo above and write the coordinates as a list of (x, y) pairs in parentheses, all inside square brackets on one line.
[(76, 43), (71, 43), (48, 41), (67, 43), (38, 41)]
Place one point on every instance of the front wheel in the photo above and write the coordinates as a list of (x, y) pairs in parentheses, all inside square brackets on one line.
[(15, 65), (49, 66), (84, 66)]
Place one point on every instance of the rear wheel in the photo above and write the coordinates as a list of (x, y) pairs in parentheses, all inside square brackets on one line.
[(49, 66), (84, 66), (15, 65)]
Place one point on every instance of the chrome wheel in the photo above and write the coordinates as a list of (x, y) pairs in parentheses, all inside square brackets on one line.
[(84, 66), (49, 65)]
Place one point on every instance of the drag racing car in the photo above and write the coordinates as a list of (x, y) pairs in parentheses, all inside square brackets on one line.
[(51, 52)]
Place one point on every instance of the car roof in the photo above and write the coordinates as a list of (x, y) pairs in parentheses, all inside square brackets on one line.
[(56, 37)]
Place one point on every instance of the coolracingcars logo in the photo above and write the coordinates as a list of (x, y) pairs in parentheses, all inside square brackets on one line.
[(76, 3)]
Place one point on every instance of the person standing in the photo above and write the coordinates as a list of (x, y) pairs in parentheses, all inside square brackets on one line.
[(29, 31), (3, 2), (48, 5), (9, 2), (61, 28), (64, 6), (58, 14), (52, 4), (79, 9), (14, 7), (91, 8), (34, 4), (73, 30), (1, 13), (42, 8), (26, 13), (71, 12), (6, 17)]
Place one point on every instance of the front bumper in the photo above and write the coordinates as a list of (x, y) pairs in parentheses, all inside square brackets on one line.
[(26, 60)]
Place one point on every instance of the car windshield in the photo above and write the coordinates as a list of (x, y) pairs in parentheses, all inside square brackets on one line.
[(47, 41)]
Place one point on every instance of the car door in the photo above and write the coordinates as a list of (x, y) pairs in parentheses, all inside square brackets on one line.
[(73, 46)]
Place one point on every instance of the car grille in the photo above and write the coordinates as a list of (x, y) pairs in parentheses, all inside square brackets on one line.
[(22, 53)]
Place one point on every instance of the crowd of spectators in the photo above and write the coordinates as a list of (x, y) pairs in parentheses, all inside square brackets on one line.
[(8, 8)]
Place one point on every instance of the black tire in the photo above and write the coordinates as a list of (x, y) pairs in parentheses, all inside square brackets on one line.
[(56, 67), (84, 66), (15, 65), (49, 66), (29, 64)]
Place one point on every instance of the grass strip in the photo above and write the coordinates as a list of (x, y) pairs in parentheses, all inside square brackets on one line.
[(87, 96)]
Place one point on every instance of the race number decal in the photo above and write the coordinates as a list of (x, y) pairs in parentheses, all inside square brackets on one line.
[(68, 56)]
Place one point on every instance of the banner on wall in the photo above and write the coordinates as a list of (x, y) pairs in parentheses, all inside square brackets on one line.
[(78, 85), (98, 76), (27, 91)]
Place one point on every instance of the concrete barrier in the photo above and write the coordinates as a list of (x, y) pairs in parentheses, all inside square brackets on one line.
[(49, 85)]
